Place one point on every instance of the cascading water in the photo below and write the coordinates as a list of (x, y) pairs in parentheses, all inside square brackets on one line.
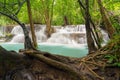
[(19, 38), (69, 35), (18, 35), (40, 34), (17, 30), (105, 36), (68, 41), (66, 35)]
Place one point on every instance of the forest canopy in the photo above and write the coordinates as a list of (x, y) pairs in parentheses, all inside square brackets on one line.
[(63, 10)]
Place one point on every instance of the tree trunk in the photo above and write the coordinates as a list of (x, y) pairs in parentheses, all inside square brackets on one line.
[(90, 41), (94, 32), (65, 21), (31, 24), (48, 26), (48, 13), (28, 43), (106, 20), (49, 29)]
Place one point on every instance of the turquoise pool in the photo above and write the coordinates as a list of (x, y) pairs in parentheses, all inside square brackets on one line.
[(66, 50)]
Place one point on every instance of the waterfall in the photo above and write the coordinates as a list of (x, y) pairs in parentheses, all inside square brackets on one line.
[(71, 34), (63, 35)]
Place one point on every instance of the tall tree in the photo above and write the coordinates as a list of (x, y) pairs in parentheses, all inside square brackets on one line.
[(91, 31), (31, 24), (108, 25), (90, 41), (48, 15)]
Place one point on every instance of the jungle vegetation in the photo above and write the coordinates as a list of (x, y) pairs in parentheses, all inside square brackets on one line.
[(99, 64)]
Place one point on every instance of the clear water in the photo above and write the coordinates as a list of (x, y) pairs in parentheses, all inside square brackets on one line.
[(66, 50)]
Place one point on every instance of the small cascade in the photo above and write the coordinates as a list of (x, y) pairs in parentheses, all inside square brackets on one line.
[(18, 38), (40, 33), (61, 38), (69, 35), (17, 30), (105, 36), (18, 35)]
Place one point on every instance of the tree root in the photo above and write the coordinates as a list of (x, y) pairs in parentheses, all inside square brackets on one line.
[(56, 64), (95, 74), (90, 63)]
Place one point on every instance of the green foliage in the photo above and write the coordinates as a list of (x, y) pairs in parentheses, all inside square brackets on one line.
[(3, 20), (37, 12), (114, 58), (113, 10), (23, 15), (10, 8), (115, 19), (116, 42), (68, 8), (111, 58), (61, 8)]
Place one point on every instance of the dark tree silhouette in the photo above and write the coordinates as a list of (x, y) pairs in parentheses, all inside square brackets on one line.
[(7, 9)]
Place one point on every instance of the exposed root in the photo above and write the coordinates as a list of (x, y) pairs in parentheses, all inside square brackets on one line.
[(95, 74), (56, 64)]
